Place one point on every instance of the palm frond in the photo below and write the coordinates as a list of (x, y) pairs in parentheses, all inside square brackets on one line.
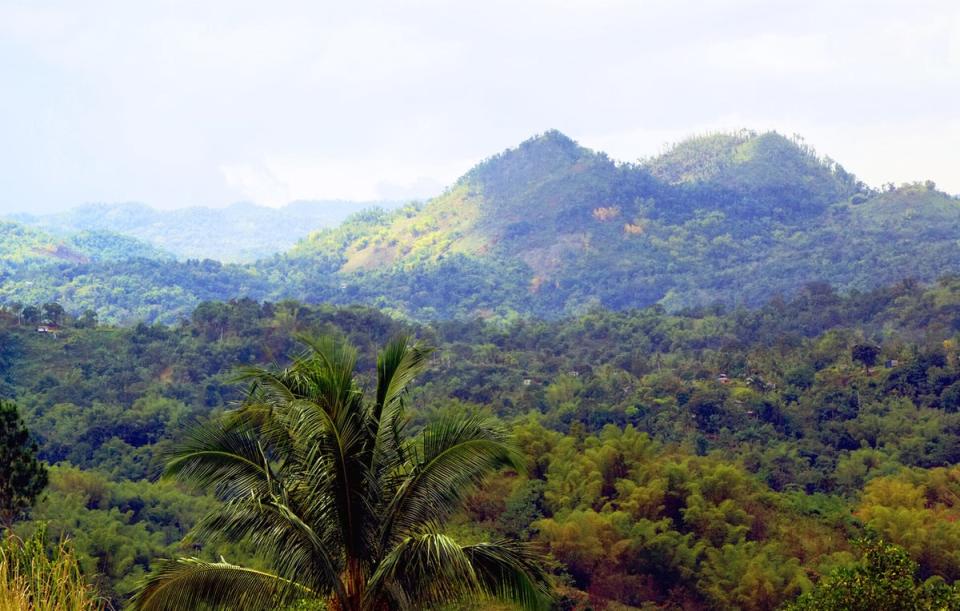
[(265, 408), (296, 549), (273, 383), (397, 365), (456, 454), (189, 583), (338, 499), (430, 568), (229, 460), (421, 571), (511, 572), (329, 369)]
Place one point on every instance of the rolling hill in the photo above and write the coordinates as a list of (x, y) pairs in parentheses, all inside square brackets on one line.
[(21, 244), (550, 228)]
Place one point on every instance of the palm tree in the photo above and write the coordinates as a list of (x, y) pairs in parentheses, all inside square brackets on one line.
[(347, 509)]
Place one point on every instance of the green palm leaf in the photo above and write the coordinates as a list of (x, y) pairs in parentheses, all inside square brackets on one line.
[(511, 572), (424, 570), (298, 551), (430, 569), (455, 455), (229, 459), (189, 583), (398, 364)]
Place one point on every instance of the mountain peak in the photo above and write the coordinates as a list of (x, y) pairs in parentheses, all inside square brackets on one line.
[(705, 157), (535, 157), (762, 165), (551, 137)]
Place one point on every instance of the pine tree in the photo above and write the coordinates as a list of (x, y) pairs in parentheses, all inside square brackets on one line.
[(22, 476)]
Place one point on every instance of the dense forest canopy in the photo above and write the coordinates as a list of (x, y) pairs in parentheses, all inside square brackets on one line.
[(548, 229), (726, 377), (713, 458)]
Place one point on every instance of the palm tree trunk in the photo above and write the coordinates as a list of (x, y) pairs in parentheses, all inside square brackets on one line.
[(355, 582)]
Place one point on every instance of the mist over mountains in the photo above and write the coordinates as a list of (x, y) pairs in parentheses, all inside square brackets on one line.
[(242, 232)]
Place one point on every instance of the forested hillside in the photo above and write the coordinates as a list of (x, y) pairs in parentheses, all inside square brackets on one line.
[(733, 371), (21, 245), (551, 229), (710, 458)]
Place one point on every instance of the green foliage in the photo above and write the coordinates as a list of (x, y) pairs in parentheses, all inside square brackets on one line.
[(884, 579), (632, 522), (117, 528), (108, 246), (22, 476), (666, 451), (865, 354), (344, 506), (693, 454)]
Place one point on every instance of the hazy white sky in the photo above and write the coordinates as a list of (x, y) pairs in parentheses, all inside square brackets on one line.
[(182, 103)]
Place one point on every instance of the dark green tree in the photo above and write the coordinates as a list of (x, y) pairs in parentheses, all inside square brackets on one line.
[(16, 308), (22, 476), (348, 509), (53, 313), (87, 320), (30, 315), (866, 354)]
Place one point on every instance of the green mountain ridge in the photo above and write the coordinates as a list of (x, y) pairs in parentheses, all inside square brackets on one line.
[(570, 227), (550, 228), (545, 197), (21, 243)]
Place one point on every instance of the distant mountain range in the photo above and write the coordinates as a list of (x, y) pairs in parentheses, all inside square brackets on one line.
[(548, 228), (239, 233)]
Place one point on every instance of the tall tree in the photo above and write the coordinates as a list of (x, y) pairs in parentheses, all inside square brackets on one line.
[(866, 354), (348, 508), (16, 308), (22, 476), (30, 315), (53, 313)]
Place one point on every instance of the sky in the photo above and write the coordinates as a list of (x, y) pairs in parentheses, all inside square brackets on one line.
[(184, 103)]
